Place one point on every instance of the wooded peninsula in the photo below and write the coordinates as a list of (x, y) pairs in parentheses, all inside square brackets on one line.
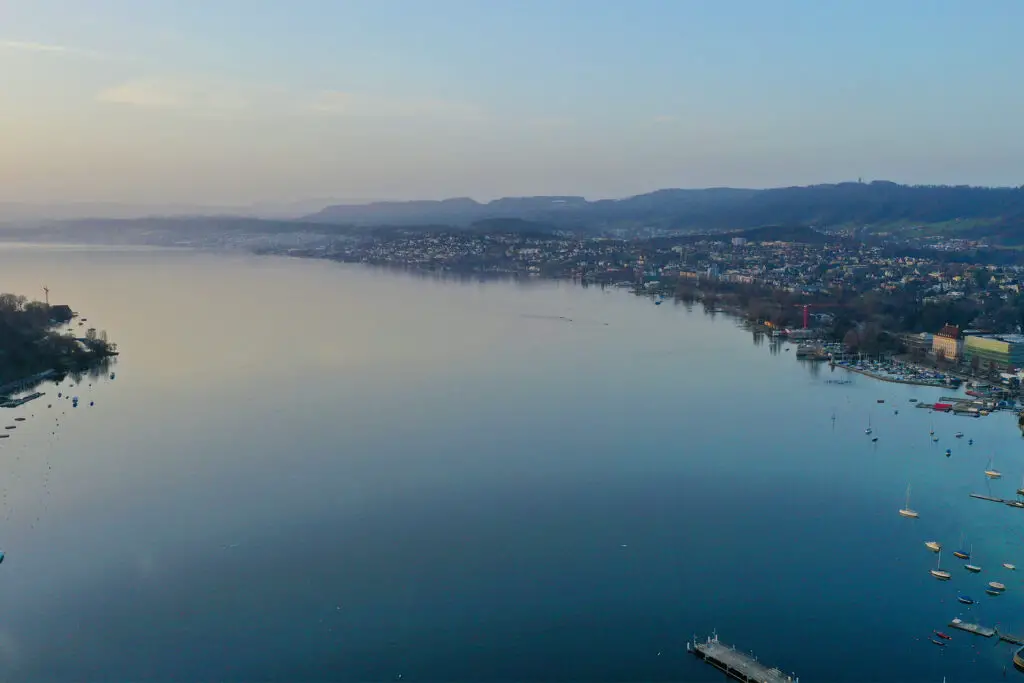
[(31, 341)]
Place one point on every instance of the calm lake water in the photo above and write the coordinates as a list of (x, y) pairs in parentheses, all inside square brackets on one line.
[(309, 472)]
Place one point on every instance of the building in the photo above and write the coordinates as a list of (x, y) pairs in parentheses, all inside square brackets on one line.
[(948, 343), (739, 241), (1001, 350), (922, 342)]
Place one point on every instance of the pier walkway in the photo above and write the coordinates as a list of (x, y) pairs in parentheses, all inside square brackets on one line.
[(735, 664), (986, 632)]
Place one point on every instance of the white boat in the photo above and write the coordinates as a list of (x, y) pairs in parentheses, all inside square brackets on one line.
[(1011, 567), (934, 546), (972, 567), (992, 472), (996, 586), (906, 511), (868, 430), (938, 573)]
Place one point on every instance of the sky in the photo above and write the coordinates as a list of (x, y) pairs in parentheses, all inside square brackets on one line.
[(232, 102)]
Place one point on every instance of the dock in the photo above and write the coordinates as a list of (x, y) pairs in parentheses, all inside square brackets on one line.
[(986, 632), (737, 665), (1005, 501), (15, 402), (992, 499), (976, 629)]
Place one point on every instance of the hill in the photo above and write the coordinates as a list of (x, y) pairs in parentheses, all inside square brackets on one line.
[(878, 204)]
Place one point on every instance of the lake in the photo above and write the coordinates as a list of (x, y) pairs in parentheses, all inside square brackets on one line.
[(305, 471)]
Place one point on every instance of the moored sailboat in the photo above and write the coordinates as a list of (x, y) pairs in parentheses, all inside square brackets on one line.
[(992, 472), (906, 511), (938, 572)]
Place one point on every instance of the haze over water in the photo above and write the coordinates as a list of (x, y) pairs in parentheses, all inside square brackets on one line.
[(307, 471)]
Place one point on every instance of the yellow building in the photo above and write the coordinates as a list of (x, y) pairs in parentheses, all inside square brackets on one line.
[(948, 344)]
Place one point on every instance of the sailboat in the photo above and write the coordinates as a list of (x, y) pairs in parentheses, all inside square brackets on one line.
[(965, 599), (868, 430), (972, 567), (961, 553), (1020, 491), (938, 573), (992, 472), (1010, 566), (906, 511), (934, 546)]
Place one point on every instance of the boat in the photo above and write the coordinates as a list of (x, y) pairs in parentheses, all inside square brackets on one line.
[(1, 556), (991, 591), (961, 553), (959, 435), (996, 586), (935, 439), (868, 430), (949, 452), (942, 635), (965, 599), (19, 419), (1020, 491), (934, 546), (938, 573), (992, 472), (938, 642), (970, 442), (972, 567), (874, 440), (913, 400), (906, 511), (1011, 567), (881, 400), (1018, 659)]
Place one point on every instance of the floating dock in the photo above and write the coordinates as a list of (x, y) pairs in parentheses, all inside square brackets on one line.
[(15, 402), (736, 665), (985, 631), (1005, 501)]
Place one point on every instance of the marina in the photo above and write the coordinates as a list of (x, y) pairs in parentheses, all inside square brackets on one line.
[(737, 665)]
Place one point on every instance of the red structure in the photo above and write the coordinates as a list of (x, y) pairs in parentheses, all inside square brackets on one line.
[(807, 309)]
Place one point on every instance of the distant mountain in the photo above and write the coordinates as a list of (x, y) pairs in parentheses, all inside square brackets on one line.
[(460, 211), (877, 203)]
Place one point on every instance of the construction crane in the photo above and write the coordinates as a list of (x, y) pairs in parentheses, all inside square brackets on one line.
[(807, 310)]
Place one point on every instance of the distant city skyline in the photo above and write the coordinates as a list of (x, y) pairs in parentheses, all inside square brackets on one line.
[(236, 103)]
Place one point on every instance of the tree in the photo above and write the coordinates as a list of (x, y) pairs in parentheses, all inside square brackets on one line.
[(851, 340)]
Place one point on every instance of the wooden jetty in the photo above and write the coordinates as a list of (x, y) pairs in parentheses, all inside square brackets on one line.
[(986, 632), (736, 665)]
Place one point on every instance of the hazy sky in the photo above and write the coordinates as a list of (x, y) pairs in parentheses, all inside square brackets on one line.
[(233, 101)]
